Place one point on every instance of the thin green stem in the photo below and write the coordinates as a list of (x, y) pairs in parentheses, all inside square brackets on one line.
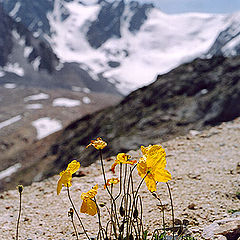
[(170, 196), (77, 213), (19, 213)]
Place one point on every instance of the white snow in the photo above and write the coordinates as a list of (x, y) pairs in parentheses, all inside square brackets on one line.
[(10, 121), (79, 89), (27, 51), (65, 102), (9, 171), (86, 100), (36, 63), (2, 74), (15, 34), (14, 68), (46, 126), (15, 9), (76, 89), (34, 106), (39, 96), (86, 90), (163, 42), (10, 85)]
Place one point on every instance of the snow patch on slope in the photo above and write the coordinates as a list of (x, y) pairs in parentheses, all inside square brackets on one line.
[(46, 126), (14, 68), (15, 9), (10, 121), (39, 96), (65, 102), (9, 171)]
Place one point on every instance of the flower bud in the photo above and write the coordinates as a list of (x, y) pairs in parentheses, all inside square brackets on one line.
[(20, 188), (135, 213), (122, 211)]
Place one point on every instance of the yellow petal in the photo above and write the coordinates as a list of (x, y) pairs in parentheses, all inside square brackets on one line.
[(59, 186), (151, 183), (73, 166), (88, 207), (162, 175), (145, 149), (122, 158), (156, 157), (66, 179), (84, 207), (98, 143), (142, 168)]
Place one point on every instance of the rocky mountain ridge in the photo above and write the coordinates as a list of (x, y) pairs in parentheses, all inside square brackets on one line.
[(29, 61)]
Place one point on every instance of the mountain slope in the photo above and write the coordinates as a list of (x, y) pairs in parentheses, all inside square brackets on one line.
[(126, 42), (194, 95)]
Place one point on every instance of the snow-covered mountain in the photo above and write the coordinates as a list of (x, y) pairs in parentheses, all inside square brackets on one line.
[(29, 60), (128, 43)]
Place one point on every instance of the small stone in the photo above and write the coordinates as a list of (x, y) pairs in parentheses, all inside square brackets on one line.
[(219, 237), (194, 132), (192, 206), (238, 168)]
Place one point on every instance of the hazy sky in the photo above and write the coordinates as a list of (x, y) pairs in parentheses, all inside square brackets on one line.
[(210, 6)]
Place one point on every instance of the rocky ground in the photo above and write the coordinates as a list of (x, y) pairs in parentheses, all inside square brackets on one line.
[(205, 167)]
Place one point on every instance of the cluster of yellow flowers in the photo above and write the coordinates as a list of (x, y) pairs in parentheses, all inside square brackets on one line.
[(151, 167)]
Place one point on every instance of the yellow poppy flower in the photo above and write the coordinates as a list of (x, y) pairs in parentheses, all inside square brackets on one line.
[(88, 205), (152, 166), (98, 143), (66, 175), (123, 159), (111, 181)]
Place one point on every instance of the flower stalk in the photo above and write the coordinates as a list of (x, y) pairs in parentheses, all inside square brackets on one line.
[(20, 190)]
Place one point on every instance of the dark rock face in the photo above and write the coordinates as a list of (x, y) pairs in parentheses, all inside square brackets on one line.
[(48, 60), (107, 24), (217, 49), (140, 15), (33, 14), (6, 43), (194, 95)]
